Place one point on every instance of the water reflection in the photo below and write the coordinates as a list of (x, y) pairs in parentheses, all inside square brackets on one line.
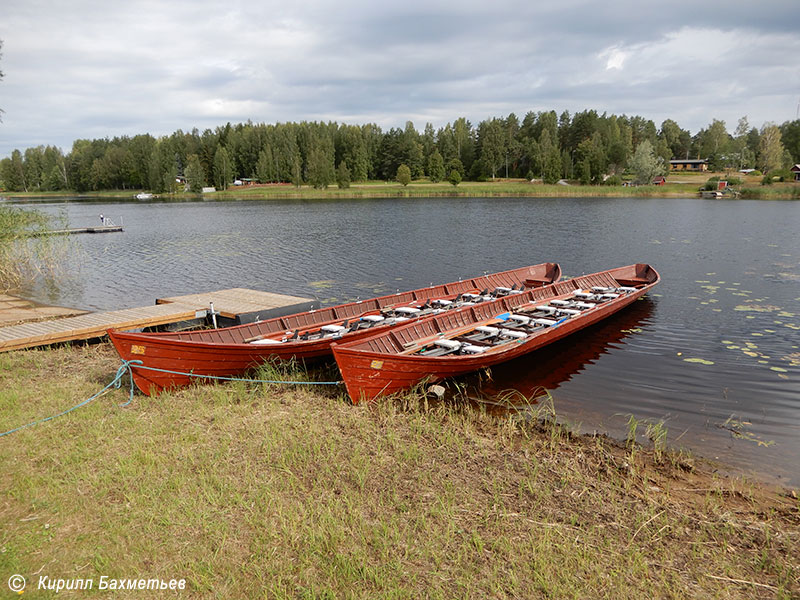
[(557, 363)]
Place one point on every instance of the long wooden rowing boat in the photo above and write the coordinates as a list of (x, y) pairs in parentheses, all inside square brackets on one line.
[(470, 338), (231, 351)]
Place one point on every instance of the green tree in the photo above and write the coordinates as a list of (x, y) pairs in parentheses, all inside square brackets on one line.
[(591, 157), (713, 143), (493, 140), (456, 164), (265, 166), (352, 149), (790, 137), (343, 175), (551, 157), (436, 167), (223, 169), (770, 149), (13, 174), (321, 171), (411, 150), (678, 140), (646, 164), (464, 142), (404, 175), (297, 171), (195, 176), (454, 177)]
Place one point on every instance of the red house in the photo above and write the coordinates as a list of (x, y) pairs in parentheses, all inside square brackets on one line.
[(660, 180), (796, 170)]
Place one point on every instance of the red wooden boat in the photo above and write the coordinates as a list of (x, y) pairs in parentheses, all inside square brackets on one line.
[(232, 351), (470, 338)]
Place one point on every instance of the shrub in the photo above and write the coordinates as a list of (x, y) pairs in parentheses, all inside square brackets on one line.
[(404, 175)]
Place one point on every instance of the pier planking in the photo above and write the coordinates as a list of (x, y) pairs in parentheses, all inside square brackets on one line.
[(234, 304)]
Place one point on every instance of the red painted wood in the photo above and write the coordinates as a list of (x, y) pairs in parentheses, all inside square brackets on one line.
[(224, 352), (374, 367)]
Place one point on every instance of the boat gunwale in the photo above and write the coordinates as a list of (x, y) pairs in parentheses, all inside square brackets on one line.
[(189, 338)]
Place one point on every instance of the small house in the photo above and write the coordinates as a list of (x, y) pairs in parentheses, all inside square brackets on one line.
[(699, 164), (796, 170), (660, 180)]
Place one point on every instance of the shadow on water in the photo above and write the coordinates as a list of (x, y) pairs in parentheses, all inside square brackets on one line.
[(557, 363)]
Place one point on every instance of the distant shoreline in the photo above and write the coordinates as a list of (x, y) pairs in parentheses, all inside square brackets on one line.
[(677, 186)]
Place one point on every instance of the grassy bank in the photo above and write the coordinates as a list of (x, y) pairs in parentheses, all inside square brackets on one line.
[(683, 185), (289, 493)]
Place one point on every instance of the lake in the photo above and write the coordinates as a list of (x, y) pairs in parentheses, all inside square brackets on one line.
[(712, 352)]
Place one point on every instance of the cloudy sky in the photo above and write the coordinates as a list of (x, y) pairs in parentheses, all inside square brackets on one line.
[(93, 69)]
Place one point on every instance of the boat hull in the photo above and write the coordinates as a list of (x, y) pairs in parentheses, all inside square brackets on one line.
[(369, 372), (167, 359)]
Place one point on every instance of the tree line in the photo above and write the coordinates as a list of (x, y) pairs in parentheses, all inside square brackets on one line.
[(586, 146)]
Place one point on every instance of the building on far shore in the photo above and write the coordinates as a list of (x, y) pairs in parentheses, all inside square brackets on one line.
[(700, 164), (796, 170)]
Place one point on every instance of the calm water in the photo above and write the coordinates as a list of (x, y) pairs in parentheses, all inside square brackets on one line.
[(714, 348)]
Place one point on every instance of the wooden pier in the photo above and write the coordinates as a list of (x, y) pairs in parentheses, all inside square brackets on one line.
[(98, 229), (234, 305)]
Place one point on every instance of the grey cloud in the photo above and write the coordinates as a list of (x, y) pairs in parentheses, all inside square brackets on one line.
[(73, 71)]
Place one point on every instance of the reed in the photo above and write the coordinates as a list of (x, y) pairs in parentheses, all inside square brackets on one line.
[(25, 253)]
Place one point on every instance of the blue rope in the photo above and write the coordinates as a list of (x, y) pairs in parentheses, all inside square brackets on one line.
[(125, 368), (221, 378)]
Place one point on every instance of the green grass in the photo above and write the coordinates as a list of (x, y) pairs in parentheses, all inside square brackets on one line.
[(274, 492)]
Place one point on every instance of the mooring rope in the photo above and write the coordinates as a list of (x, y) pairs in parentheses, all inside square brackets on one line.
[(125, 368), (138, 365)]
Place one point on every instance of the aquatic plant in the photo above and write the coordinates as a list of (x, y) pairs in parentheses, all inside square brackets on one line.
[(24, 251)]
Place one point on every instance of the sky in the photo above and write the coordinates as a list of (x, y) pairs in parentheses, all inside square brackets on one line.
[(88, 69)]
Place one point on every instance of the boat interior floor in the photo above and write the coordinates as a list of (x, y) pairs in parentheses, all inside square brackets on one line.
[(525, 321)]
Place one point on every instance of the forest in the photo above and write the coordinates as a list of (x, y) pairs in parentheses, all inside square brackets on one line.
[(586, 146)]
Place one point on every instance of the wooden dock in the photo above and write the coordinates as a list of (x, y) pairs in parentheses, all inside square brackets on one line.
[(237, 304), (98, 229)]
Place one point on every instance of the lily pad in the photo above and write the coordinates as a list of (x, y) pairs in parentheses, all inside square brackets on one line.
[(756, 308), (700, 361), (778, 369)]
